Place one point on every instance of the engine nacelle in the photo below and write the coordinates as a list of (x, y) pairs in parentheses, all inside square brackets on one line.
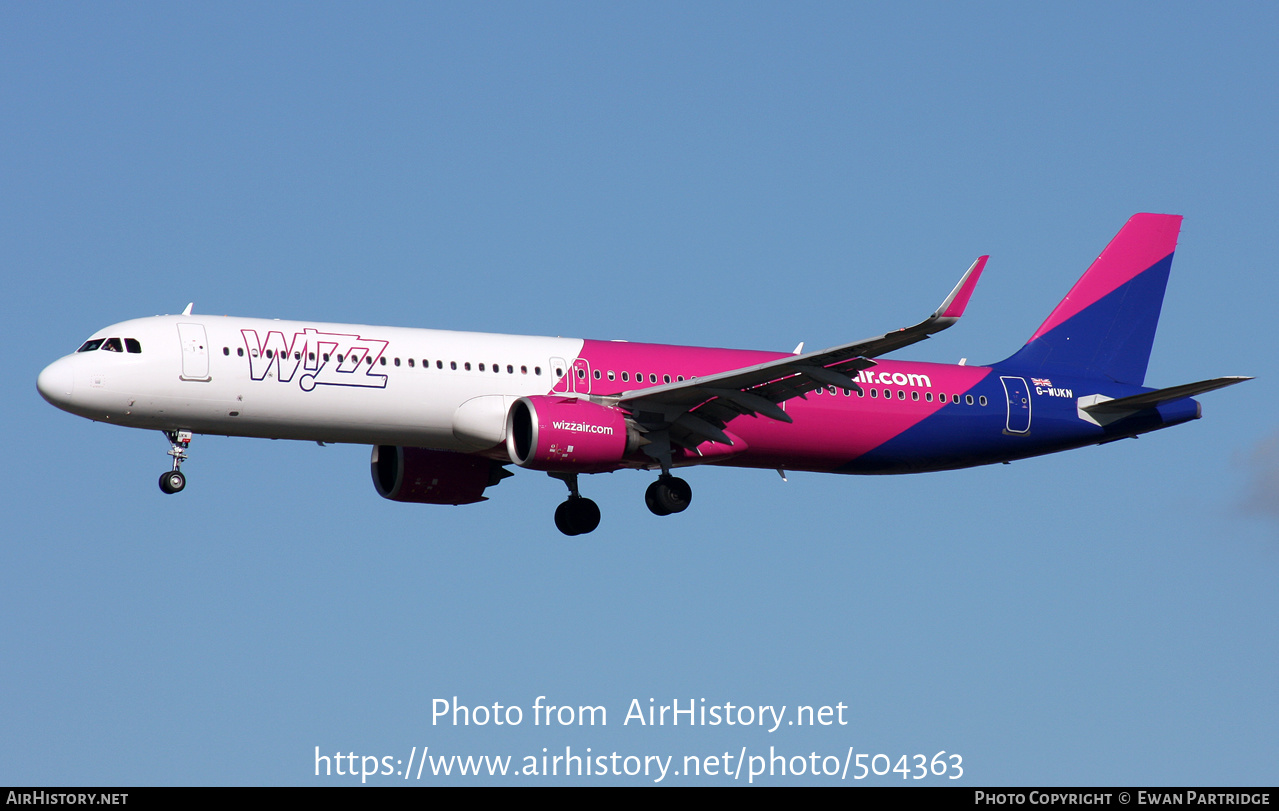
[(427, 476), (546, 432)]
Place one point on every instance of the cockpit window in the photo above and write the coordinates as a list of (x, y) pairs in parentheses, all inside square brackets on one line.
[(132, 345)]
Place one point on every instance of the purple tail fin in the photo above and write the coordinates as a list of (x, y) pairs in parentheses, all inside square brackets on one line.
[(1105, 325)]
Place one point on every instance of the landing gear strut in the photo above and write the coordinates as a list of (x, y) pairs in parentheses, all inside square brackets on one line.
[(577, 515), (668, 495), (173, 481)]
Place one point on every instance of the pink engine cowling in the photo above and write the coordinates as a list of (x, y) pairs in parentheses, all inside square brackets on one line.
[(547, 432), (425, 476)]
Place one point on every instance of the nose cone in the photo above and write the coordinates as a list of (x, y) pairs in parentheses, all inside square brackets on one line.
[(57, 382)]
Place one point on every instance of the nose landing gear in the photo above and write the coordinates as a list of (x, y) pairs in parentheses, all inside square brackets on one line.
[(173, 481)]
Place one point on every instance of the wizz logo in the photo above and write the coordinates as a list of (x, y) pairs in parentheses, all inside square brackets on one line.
[(315, 358)]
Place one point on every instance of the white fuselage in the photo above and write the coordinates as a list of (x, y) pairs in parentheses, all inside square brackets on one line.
[(309, 381)]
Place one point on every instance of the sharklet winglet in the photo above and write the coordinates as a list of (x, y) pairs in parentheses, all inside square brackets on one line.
[(957, 301)]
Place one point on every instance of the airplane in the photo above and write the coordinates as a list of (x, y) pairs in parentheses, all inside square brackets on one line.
[(447, 412)]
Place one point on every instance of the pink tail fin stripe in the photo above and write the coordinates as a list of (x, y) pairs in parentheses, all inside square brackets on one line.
[(1143, 241)]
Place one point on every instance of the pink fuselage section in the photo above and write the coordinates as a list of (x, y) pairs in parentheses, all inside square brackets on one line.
[(831, 428)]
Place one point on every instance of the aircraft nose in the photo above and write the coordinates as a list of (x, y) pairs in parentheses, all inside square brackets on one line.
[(57, 382)]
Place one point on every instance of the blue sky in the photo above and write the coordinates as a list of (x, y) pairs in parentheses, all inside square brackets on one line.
[(736, 174)]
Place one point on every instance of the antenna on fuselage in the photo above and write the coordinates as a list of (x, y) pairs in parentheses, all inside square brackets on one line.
[(187, 311)]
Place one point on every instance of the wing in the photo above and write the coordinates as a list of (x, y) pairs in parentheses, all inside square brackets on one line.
[(694, 411)]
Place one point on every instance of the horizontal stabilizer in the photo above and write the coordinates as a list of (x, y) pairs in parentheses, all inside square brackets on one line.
[(1151, 399)]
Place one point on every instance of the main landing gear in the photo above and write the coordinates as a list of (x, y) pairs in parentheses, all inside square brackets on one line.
[(668, 495), (173, 481), (579, 515)]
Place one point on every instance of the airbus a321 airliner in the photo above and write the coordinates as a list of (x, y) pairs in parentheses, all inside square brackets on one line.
[(446, 412)]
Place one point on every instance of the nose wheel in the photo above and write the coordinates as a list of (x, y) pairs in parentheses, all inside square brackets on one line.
[(173, 481), (668, 495)]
